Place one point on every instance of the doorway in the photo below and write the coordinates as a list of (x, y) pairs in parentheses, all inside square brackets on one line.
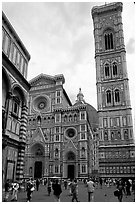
[(38, 169), (71, 171)]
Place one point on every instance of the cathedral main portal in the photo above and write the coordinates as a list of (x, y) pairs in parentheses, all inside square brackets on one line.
[(38, 169), (71, 171)]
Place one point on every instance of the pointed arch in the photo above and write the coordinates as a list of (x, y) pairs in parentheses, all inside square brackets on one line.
[(117, 95), (109, 38), (37, 149), (108, 96), (114, 69), (107, 69), (71, 156), (17, 91), (70, 118)]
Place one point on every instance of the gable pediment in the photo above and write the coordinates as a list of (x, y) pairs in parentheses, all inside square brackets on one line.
[(70, 146), (42, 79), (38, 136)]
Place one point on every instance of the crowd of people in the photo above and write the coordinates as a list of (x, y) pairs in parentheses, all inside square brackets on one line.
[(123, 187)]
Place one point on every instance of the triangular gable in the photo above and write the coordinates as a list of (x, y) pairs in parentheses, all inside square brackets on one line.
[(70, 146), (42, 79), (38, 136)]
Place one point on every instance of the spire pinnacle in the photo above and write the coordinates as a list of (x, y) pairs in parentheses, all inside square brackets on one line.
[(80, 96)]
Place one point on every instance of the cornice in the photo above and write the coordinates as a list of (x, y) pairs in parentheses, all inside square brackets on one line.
[(55, 78), (97, 10)]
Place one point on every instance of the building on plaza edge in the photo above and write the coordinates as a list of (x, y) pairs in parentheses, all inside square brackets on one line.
[(60, 136), (15, 90), (116, 146)]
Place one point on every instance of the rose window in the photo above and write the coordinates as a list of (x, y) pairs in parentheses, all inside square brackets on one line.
[(41, 103), (70, 132)]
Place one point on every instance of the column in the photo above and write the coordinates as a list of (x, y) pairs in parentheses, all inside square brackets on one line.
[(22, 143)]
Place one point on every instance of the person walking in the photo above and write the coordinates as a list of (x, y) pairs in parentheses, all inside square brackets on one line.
[(70, 184), (56, 190), (30, 189), (37, 184), (90, 188), (15, 187), (121, 190), (74, 190), (100, 181), (65, 184), (128, 186), (45, 182), (49, 187), (7, 189)]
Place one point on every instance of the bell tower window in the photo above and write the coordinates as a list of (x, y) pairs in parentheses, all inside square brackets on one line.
[(107, 70), (109, 44), (117, 96), (114, 66), (108, 96)]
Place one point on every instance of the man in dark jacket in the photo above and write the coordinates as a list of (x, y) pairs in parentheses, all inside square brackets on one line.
[(37, 184), (74, 189), (56, 190)]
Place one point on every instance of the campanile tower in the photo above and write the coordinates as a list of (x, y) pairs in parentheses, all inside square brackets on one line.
[(116, 149)]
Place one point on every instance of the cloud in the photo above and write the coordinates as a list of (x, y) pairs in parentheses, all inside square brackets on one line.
[(59, 38), (130, 47)]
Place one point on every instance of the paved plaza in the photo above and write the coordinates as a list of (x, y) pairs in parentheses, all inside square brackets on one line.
[(101, 195)]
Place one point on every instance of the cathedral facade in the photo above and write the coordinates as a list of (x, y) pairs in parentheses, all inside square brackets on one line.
[(116, 148), (60, 136)]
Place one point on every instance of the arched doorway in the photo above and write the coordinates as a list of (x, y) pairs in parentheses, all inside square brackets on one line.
[(38, 169), (37, 162), (71, 171), (71, 165)]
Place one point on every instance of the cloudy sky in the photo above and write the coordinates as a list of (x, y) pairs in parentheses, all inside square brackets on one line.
[(59, 38)]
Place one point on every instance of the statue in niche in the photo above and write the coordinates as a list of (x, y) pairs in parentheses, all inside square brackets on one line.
[(56, 152), (38, 120), (30, 171), (83, 151), (71, 156), (39, 152), (112, 136), (118, 135), (46, 133), (105, 136), (126, 134)]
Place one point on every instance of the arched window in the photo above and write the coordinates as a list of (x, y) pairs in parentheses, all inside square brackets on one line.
[(107, 70), (15, 105), (114, 68), (117, 96), (108, 96), (109, 41)]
